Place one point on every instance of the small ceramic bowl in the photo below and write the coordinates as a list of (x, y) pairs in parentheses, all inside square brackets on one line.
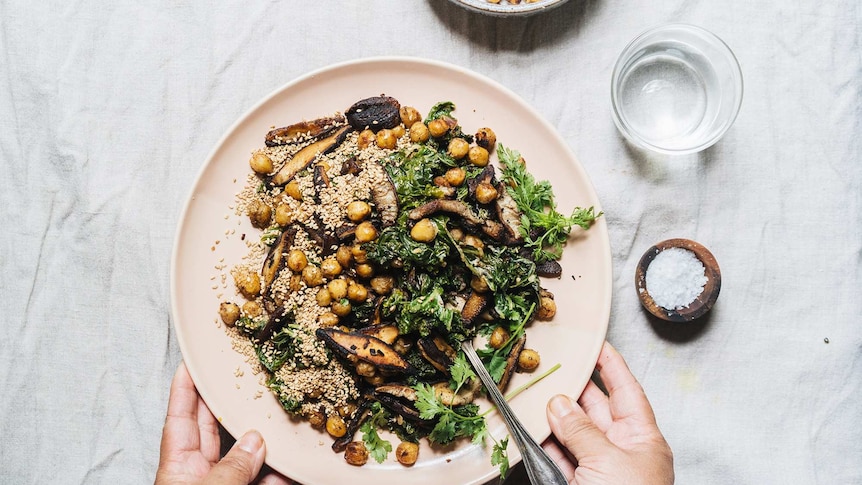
[(504, 8), (704, 301)]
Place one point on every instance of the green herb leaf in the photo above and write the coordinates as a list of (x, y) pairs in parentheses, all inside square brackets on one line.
[(378, 448), (461, 371), (500, 457), (443, 108)]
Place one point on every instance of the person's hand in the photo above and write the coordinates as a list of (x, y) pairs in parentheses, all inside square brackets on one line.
[(190, 445), (609, 439)]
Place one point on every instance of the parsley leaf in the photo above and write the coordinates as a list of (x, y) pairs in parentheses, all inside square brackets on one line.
[(461, 372), (452, 422), (378, 448), (499, 456)]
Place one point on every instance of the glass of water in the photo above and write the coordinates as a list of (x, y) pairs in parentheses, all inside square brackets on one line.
[(676, 89)]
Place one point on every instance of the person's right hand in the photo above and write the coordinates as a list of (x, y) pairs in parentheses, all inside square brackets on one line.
[(609, 440)]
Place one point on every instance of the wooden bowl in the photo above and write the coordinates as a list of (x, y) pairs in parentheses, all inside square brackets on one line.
[(704, 301)]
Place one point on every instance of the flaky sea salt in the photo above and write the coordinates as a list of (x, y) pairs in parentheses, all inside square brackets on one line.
[(674, 278)]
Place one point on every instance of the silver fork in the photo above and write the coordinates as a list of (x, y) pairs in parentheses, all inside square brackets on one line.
[(540, 467)]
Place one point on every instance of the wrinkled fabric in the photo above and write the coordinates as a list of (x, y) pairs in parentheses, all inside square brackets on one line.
[(108, 111)]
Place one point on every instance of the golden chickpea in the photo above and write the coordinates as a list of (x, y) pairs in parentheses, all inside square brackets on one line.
[(455, 176), (261, 163), (365, 139), (292, 189), (365, 232), (479, 284), (346, 410), (547, 307), (407, 453), (341, 308), (248, 284), (365, 369), (478, 156), (399, 131), (499, 337), (485, 193), (283, 215), (229, 313), (312, 275), (402, 345), (364, 270), (356, 453), (357, 293), (409, 115), (337, 289), (251, 309), (382, 285), (260, 214), (424, 231), (441, 181), (330, 268), (327, 319), (335, 426), (471, 240), (486, 138), (296, 260), (314, 393), (323, 297), (457, 233), (295, 283), (344, 256), (386, 139), (358, 210), (438, 127), (528, 360), (458, 148), (317, 419), (359, 254), (375, 380), (419, 133)]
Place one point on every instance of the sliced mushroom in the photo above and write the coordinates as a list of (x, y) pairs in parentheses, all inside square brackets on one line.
[(321, 179), (365, 347), (385, 199), (401, 407), (490, 227), (304, 130), (304, 157), (374, 113), (474, 306), (323, 238), (465, 395), (345, 231), (386, 333), (549, 269), (438, 352), (350, 166), (359, 417), (397, 390), (275, 259), (277, 320), (485, 176), (509, 214), (511, 362)]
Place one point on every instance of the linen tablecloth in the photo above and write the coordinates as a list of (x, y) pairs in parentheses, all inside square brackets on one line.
[(108, 110)]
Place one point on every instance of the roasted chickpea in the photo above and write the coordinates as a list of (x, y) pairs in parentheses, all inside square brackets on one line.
[(375, 380), (485, 193), (346, 410), (409, 115), (455, 176), (365, 369), (399, 131), (248, 284), (261, 163), (365, 139), (337, 289), (479, 284), (486, 138), (312, 276), (296, 260), (259, 214), (317, 419), (407, 453), (471, 240), (457, 233), (341, 308), (327, 319), (251, 309), (229, 313), (528, 360), (359, 254), (292, 189), (402, 345), (424, 231), (314, 393), (357, 293), (364, 270), (365, 232), (547, 307), (344, 256), (283, 215), (295, 283), (441, 181), (356, 453), (386, 139), (458, 148), (382, 285), (358, 211), (419, 133), (323, 297), (330, 268), (478, 156), (335, 426), (438, 127), (499, 337)]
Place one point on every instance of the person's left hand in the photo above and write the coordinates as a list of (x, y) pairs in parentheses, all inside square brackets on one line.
[(190, 445)]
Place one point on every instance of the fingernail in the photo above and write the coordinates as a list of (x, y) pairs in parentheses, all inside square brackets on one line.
[(561, 406), (251, 442)]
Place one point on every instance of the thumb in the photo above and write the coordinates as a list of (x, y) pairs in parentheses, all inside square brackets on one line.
[(574, 429), (241, 464)]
